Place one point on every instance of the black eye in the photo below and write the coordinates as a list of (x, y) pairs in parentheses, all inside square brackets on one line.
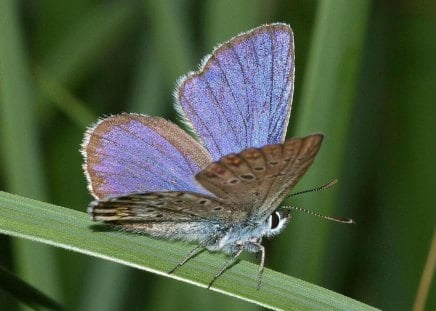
[(274, 220)]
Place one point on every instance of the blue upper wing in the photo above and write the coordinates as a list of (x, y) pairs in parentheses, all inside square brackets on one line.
[(130, 153), (241, 96)]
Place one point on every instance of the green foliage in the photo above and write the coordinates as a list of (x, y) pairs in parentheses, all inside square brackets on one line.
[(365, 77)]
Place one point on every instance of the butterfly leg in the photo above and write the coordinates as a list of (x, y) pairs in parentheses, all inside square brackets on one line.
[(261, 265), (191, 255), (254, 246), (227, 265)]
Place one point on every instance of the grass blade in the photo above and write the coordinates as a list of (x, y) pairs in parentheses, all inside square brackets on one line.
[(24, 292), (69, 229), (19, 142), (326, 106), (73, 108), (74, 57), (170, 37)]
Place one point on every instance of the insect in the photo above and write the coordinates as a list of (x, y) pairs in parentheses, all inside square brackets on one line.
[(222, 189)]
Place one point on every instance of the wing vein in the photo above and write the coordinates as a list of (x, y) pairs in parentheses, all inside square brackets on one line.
[(221, 109), (194, 113), (244, 76)]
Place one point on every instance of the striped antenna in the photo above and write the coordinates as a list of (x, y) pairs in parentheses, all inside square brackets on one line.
[(323, 187), (342, 220)]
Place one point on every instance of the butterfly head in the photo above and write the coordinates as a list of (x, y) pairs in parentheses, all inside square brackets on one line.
[(277, 221)]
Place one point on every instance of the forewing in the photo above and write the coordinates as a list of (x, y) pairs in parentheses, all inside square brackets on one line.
[(258, 179), (241, 96), (294, 158), (130, 153)]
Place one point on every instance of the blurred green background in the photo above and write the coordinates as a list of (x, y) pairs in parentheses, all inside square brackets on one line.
[(365, 76)]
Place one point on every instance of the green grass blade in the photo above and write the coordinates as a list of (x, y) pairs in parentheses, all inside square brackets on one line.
[(326, 106), (75, 56), (75, 109), (22, 161), (406, 155), (170, 37), (19, 142), (104, 287), (147, 94), (227, 18), (25, 293), (69, 229)]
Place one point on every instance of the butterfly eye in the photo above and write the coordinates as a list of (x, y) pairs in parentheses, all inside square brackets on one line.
[(275, 220)]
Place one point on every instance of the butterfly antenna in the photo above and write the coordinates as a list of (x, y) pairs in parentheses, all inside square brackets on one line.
[(327, 185), (343, 220), (323, 187)]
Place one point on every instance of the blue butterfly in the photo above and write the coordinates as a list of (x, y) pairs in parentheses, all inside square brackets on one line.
[(222, 189)]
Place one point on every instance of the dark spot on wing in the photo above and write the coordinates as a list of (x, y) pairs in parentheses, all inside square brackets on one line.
[(247, 176)]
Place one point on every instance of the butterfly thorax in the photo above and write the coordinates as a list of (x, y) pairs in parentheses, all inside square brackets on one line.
[(248, 233)]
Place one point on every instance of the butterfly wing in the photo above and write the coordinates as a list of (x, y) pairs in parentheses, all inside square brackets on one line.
[(241, 96), (256, 180), (130, 153), (247, 186), (173, 214)]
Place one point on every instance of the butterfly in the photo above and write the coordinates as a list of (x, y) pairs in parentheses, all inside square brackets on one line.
[(221, 189)]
